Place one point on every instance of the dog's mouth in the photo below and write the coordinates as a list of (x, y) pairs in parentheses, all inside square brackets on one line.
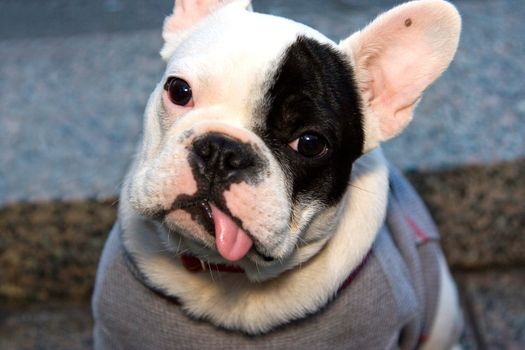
[(231, 241)]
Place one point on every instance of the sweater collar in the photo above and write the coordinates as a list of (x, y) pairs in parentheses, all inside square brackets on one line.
[(195, 265)]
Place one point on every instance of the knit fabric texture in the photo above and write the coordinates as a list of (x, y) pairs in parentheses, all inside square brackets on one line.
[(390, 304)]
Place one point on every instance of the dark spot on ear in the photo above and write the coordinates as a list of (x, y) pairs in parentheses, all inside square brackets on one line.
[(408, 22)]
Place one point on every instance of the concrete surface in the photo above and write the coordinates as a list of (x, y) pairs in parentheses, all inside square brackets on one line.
[(74, 81), (40, 327), (480, 212), (495, 301), (49, 251)]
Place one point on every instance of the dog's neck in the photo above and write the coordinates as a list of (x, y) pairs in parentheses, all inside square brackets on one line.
[(258, 307)]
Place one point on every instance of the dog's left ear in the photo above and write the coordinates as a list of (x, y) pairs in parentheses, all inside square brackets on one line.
[(187, 14), (396, 58)]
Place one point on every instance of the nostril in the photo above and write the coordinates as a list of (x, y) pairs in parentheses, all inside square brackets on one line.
[(203, 149), (237, 161)]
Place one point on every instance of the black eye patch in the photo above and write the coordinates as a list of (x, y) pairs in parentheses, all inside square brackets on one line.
[(313, 93)]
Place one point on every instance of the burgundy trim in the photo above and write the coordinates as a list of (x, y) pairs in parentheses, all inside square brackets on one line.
[(356, 271), (421, 235), (422, 339)]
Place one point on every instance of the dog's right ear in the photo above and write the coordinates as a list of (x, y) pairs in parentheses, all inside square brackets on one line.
[(396, 57), (186, 14)]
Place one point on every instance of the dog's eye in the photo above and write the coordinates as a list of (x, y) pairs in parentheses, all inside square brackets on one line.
[(178, 90), (310, 145)]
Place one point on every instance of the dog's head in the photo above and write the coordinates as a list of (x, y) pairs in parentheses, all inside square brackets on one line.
[(250, 137)]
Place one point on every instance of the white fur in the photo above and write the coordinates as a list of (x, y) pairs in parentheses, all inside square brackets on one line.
[(187, 14), (258, 307)]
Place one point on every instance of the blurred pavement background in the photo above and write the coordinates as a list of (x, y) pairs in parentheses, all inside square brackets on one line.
[(74, 80)]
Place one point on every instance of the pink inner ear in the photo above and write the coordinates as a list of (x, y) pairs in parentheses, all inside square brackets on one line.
[(399, 55), (399, 79), (187, 13)]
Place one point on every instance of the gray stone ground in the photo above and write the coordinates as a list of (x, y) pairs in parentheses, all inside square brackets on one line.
[(75, 77)]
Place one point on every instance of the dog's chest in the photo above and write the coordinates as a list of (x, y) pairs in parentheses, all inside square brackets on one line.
[(387, 298)]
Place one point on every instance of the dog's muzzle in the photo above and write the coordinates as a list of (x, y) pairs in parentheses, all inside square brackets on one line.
[(218, 161)]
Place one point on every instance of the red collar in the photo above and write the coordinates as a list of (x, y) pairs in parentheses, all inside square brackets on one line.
[(194, 264)]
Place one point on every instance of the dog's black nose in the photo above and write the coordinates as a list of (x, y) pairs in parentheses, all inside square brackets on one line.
[(221, 158)]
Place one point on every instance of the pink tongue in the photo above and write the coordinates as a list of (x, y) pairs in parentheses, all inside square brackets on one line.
[(232, 242)]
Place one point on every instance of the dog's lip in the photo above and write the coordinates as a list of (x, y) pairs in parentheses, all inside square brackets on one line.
[(204, 204), (266, 258), (194, 206)]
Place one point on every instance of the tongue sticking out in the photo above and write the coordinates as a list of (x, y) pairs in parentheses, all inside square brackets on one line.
[(232, 241)]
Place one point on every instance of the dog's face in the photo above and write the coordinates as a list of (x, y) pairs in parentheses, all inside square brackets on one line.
[(251, 135)]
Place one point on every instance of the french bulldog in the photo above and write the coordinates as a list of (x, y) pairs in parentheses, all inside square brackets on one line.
[(259, 211)]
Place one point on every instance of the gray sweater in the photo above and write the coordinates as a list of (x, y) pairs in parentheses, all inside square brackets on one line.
[(389, 304)]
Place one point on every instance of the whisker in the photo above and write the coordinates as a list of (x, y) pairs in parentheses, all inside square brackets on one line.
[(362, 189), (211, 273), (181, 252), (301, 240), (180, 242)]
